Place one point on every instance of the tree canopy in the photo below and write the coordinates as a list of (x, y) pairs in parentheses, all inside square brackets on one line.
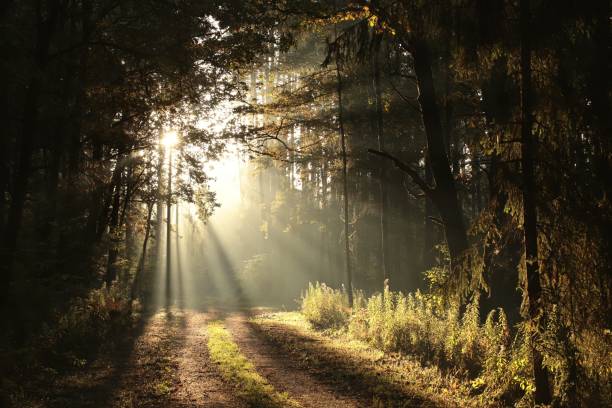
[(459, 148)]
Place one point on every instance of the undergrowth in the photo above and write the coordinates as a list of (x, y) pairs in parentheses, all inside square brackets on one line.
[(88, 326), (495, 364), (90, 319), (387, 379), (325, 307)]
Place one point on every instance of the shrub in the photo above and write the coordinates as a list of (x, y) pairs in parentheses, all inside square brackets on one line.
[(434, 331), (449, 335), (325, 307), (89, 319)]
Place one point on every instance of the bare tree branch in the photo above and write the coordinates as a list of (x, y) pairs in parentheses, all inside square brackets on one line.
[(414, 175)]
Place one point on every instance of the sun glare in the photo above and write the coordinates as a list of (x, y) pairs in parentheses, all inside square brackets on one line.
[(170, 138), (225, 175)]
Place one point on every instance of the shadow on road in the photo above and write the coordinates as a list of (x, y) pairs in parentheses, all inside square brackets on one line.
[(338, 370), (137, 371)]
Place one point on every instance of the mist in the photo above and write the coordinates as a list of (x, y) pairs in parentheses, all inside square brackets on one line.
[(305, 203)]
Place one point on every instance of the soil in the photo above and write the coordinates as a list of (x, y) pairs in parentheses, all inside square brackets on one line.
[(166, 364)]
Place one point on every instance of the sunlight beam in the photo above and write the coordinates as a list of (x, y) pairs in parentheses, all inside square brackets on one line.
[(170, 139)]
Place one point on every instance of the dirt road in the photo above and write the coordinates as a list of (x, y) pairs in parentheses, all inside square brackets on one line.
[(168, 365)]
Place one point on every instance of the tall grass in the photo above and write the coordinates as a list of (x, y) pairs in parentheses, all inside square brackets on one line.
[(325, 307), (436, 332)]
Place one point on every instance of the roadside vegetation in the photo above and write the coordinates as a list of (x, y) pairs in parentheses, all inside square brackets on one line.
[(488, 358), (383, 379), (91, 326)]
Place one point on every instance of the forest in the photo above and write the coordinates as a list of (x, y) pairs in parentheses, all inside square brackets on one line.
[(305, 203)]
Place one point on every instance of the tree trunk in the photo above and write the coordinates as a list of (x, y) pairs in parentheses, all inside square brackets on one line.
[(528, 147), (44, 31), (429, 240), (347, 251), (113, 251), (383, 195), (169, 230), (159, 218), (445, 193), (136, 284), (74, 152), (598, 89), (323, 245), (179, 266)]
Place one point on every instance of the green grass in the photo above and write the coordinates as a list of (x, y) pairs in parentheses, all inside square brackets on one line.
[(390, 379), (237, 369), (434, 332)]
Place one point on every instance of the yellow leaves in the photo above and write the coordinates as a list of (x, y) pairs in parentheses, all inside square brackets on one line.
[(525, 383), (478, 383), (376, 23), (352, 15), (373, 21), (387, 106), (344, 16)]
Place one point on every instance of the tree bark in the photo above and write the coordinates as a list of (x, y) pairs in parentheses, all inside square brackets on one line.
[(44, 31), (347, 250), (113, 251), (324, 246), (528, 147), (445, 193), (169, 230), (383, 194), (598, 89), (429, 239), (136, 284), (179, 265)]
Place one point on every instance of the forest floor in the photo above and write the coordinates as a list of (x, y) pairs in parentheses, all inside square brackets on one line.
[(229, 358)]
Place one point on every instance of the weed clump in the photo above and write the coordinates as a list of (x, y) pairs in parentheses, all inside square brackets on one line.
[(91, 318), (436, 332), (325, 307)]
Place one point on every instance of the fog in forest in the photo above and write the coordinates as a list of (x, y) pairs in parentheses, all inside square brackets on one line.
[(317, 203), (254, 250)]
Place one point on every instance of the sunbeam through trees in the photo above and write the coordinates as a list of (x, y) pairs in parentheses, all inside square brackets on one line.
[(282, 203)]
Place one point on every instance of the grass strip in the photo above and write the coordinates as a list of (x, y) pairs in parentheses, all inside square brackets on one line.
[(236, 368)]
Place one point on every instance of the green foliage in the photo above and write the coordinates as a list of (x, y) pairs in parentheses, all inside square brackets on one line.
[(89, 319), (325, 307), (436, 332), (422, 325), (451, 336)]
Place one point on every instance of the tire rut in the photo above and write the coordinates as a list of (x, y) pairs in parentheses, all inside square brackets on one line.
[(202, 385), (284, 375), (167, 365)]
